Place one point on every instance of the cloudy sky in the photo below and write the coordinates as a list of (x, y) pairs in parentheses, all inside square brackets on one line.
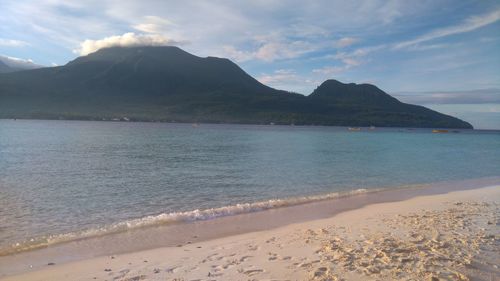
[(442, 54)]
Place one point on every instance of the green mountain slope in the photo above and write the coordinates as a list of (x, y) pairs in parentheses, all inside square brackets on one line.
[(167, 83)]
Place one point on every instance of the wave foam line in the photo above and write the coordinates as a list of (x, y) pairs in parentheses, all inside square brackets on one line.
[(165, 218)]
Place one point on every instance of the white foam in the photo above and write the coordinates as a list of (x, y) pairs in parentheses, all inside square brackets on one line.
[(175, 217)]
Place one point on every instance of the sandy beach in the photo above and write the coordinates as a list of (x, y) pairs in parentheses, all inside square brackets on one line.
[(452, 236)]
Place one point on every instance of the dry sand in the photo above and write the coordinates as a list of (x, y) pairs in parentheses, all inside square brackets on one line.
[(453, 236)]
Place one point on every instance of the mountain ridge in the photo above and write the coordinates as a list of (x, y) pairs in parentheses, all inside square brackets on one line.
[(170, 84), (9, 64)]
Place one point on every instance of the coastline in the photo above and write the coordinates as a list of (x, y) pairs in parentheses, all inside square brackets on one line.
[(355, 215)]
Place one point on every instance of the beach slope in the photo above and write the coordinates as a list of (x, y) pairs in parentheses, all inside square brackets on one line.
[(452, 236)]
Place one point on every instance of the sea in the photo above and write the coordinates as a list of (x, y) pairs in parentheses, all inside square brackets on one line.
[(67, 180)]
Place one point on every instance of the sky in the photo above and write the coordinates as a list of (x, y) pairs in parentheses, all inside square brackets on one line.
[(441, 54)]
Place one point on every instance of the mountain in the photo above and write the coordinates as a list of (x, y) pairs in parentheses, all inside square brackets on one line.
[(4, 68), (8, 64), (333, 91), (169, 84), (365, 103)]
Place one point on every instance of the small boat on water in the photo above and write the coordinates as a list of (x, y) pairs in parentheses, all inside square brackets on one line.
[(440, 131), (354, 129)]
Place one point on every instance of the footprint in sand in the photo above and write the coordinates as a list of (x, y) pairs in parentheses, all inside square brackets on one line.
[(231, 263), (172, 269), (136, 278), (273, 256), (307, 264), (271, 240), (217, 268), (245, 258), (251, 272), (210, 274), (194, 268), (121, 274), (209, 258), (253, 247)]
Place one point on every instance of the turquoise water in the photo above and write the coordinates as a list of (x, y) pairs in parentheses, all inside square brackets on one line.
[(67, 179)]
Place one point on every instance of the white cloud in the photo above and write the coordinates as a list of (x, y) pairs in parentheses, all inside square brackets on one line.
[(153, 24), (280, 50), (279, 76), (349, 59), (330, 70), (237, 55), (346, 41), (271, 50), (470, 24), (126, 40), (309, 30), (355, 57), (419, 47), (391, 10), (207, 26), (12, 43), (288, 79)]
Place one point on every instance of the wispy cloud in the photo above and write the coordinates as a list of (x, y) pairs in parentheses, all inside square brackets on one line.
[(330, 70), (357, 56), (283, 78), (470, 24), (126, 40), (279, 76), (271, 50), (13, 43), (237, 55), (349, 59), (427, 47), (153, 24), (346, 41)]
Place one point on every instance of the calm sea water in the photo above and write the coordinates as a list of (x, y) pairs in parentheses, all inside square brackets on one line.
[(70, 178)]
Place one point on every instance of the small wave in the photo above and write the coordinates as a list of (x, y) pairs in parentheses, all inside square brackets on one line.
[(174, 217)]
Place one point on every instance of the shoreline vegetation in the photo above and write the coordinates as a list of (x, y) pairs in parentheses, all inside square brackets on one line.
[(195, 124), (443, 234), (189, 120)]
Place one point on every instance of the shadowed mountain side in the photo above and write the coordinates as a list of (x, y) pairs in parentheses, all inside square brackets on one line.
[(9, 64), (167, 83), (4, 68)]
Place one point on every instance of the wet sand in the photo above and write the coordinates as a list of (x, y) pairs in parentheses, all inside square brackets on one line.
[(427, 234)]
